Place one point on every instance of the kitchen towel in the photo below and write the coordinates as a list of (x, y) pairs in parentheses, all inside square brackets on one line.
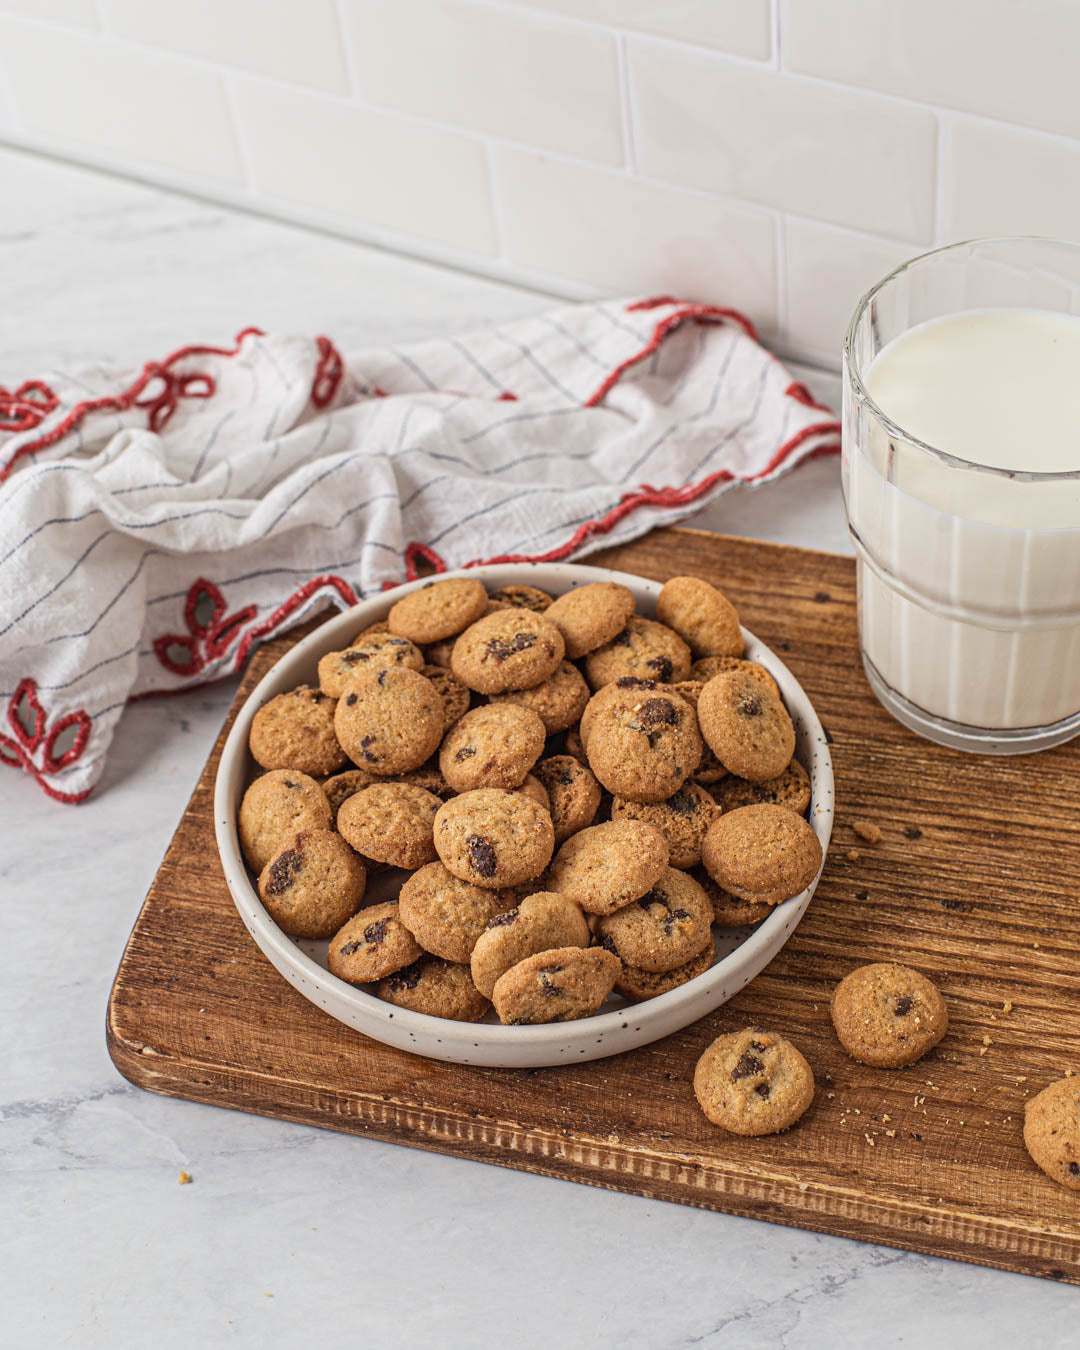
[(156, 525)]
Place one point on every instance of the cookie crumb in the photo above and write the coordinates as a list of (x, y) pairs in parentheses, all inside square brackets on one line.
[(866, 829), (184, 1179), (987, 1041), (853, 855), (1007, 1006)]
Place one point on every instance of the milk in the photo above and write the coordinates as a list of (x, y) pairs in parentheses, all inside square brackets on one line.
[(969, 581)]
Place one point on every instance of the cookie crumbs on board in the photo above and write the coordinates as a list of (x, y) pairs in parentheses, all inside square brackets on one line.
[(184, 1179), (866, 829), (853, 855), (1007, 1006)]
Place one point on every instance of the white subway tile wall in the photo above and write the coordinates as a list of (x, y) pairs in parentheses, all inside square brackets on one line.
[(774, 155)]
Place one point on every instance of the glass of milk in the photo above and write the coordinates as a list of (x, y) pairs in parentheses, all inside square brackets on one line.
[(961, 479)]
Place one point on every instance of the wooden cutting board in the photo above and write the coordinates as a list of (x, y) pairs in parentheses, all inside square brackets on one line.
[(975, 882)]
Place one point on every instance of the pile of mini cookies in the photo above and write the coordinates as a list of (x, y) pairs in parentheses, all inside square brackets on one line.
[(564, 796)]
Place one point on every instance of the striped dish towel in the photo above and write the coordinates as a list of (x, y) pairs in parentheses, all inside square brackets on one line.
[(155, 526)]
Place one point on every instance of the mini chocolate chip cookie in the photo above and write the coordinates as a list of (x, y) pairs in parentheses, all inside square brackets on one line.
[(641, 984), (728, 910), (749, 730), (392, 823), (445, 914), (555, 986), (436, 987), (790, 789), (608, 866), (702, 616), (888, 1015), (493, 838), (312, 884), (559, 701), (1052, 1131), (573, 794), (510, 649), (542, 921), (589, 616), (372, 945), (753, 1082), (296, 731), (376, 652), (493, 746), (455, 697), (707, 666), (682, 819), (666, 927), (389, 721), (276, 804), (644, 648), (615, 692), (438, 610), (342, 785), (644, 745), (524, 597), (765, 853)]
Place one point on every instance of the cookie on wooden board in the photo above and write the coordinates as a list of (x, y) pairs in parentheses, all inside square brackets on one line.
[(753, 1082), (764, 853), (1052, 1131), (513, 648), (494, 838), (887, 1015), (389, 721), (438, 610)]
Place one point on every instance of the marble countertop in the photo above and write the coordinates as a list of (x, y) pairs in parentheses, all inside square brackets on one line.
[(289, 1234)]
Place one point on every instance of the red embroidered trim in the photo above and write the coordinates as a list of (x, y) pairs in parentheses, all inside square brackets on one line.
[(417, 551), (289, 606), (207, 641), (160, 405), (801, 394), (29, 721), (328, 373), (25, 408)]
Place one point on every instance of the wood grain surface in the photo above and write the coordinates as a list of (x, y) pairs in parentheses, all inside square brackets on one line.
[(975, 882)]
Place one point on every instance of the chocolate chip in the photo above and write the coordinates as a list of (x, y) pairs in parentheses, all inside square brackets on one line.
[(399, 642), (482, 855), (747, 1065), (499, 650), (632, 682), (912, 832), (406, 978), (622, 639), (350, 699), (381, 678), (663, 667), (547, 987), (349, 948), (653, 897), (763, 1091), (464, 753), (502, 920), (283, 871), (1074, 1169), (289, 783), (683, 803), (670, 920), (351, 658), (657, 712), (375, 932), (749, 705), (904, 1005), (365, 741), (565, 778), (759, 1046)]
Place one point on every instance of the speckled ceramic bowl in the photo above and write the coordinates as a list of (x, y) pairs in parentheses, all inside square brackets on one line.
[(621, 1025)]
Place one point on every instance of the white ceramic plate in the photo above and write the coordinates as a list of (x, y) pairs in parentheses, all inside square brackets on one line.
[(621, 1025)]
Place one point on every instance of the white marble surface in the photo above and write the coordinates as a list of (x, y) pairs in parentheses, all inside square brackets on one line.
[(291, 1235)]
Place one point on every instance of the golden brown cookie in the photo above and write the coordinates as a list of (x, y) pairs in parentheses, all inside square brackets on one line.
[(703, 617), (640, 984), (707, 666), (666, 927), (608, 866), (573, 794), (296, 731), (312, 884), (541, 922), (645, 649), (371, 945), (591, 615), (749, 730), (438, 610), (525, 597), (559, 701), (392, 823), (615, 692), (762, 853), (644, 745), (535, 791), (888, 1015), (277, 804), (1052, 1131), (753, 1082), (790, 789), (710, 770), (436, 987), (493, 838), (455, 697), (682, 819), (728, 910), (445, 914), (510, 649), (389, 721), (376, 652), (555, 986), (493, 746), (342, 786)]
